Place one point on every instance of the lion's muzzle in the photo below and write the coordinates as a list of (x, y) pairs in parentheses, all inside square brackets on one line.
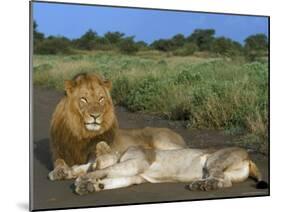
[(94, 122)]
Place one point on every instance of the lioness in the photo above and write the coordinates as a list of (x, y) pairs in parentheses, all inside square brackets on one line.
[(201, 169), (85, 116)]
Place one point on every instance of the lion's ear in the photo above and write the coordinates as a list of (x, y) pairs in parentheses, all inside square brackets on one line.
[(68, 86), (107, 84)]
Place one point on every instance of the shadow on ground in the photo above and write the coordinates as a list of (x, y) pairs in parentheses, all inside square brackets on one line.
[(42, 153)]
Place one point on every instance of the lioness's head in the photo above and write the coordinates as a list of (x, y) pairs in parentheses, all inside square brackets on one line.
[(89, 97)]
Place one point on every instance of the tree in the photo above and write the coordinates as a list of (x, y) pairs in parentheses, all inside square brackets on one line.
[(128, 46), (172, 44), (142, 45), (187, 49), (102, 43), (53, 45), (256, 42), (162, 45), (87, 41), (178, 41), (203, 38), (38, 36), (227, 47), (114, 37), (256, 46)]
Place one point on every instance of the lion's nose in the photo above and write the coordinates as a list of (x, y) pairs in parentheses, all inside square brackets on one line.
[(95, 115)]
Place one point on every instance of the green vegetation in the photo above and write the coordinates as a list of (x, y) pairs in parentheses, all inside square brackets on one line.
[(203, 80), (204, 93), (199, 41), (256, 47)]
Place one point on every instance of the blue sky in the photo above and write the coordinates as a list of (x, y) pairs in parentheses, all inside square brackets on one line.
[(74, 20)]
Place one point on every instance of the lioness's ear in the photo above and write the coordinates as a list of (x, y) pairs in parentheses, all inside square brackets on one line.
[(68, 86), (107, 84)]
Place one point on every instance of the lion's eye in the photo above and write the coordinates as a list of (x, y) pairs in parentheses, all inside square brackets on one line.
[(83, 100), (101, 99)]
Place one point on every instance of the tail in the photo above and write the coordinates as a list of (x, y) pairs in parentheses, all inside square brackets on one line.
[(256, 174)]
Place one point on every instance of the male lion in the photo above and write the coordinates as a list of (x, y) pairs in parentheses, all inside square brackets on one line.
[(85, 116), (201, 169)]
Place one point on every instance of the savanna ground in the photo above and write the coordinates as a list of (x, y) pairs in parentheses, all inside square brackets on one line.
[(211, 102)]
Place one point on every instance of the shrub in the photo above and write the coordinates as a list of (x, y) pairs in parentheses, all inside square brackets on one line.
[(226, 47), (145, 95), (188, 76), (128, 46), (86, 41), (203, 38), (52, 45), (187, 49), (121, 89), (256, 47), (163, 45)]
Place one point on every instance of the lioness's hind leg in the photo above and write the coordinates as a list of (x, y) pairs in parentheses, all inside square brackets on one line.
[(222, 168), (220, 163), (205, 184), (238, 172)]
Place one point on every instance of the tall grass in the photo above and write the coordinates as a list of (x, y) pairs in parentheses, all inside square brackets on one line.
[(205, 93)]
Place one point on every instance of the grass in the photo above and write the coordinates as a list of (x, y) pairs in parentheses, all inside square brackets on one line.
[(204, 92)]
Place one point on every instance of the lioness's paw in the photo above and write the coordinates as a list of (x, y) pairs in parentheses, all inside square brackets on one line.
[(102, 148), (85, 185), (205, 185), (60, 173)]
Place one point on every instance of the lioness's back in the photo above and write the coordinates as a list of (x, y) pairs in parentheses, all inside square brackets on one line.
[(150, 138)]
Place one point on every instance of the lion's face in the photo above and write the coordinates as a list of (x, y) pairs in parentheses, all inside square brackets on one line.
[(89, 97)]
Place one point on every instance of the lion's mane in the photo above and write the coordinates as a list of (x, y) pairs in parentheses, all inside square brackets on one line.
[(70, 140)]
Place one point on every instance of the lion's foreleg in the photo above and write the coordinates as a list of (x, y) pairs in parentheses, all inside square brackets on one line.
[(105, 158), (63, 172)]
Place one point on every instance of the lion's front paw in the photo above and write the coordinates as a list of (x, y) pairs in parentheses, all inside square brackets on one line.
[(61, 172), (205, 185), (85, 185)]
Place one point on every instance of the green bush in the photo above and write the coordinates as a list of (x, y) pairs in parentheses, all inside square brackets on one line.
[(145, 95), (120, 90), (256, 47), (187, 49), (162, 45), (86, 41), (128, 46), (53, 46), (226, 47), (188, 76)]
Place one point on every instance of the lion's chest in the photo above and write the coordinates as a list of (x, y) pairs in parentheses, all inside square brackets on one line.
[(76, 154)]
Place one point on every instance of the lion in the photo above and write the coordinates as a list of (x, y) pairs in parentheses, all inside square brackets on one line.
[(86, 116), (201, 169)]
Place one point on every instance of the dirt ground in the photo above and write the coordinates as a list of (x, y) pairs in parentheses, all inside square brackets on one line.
[(52, 195)]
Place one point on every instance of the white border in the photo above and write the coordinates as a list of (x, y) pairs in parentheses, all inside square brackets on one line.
[(15, 89)]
